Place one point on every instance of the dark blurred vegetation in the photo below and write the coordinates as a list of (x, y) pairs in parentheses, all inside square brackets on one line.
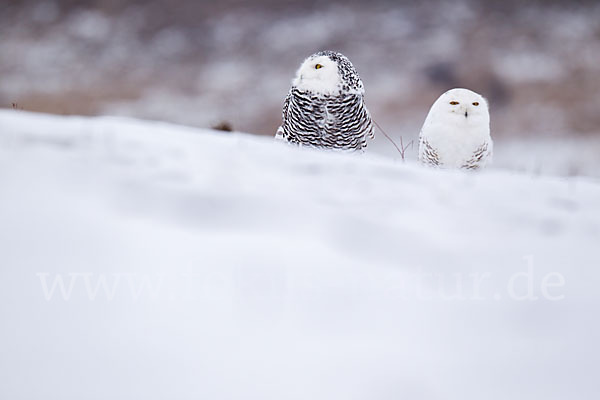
[(205, 62)]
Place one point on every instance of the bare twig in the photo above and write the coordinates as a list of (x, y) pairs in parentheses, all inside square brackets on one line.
[(402, 148)]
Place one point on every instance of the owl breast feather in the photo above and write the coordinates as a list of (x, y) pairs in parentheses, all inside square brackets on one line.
[(335, 122)]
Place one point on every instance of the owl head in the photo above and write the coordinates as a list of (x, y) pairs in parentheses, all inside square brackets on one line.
[(328, 73), (461, 106)]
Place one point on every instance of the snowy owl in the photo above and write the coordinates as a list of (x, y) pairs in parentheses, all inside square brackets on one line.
[(456, 132), (325, 107)]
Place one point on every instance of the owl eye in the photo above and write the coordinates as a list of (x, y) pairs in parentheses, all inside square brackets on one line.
[(318, 66), (454, 103), (476, 103)]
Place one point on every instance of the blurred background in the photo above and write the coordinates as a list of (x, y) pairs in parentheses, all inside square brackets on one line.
[(218, 63)]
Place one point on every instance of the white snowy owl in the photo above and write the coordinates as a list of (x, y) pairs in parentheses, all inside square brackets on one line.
[(456, 132), (325, 107)]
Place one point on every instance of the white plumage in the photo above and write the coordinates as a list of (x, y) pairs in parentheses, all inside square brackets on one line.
[(456, 132)]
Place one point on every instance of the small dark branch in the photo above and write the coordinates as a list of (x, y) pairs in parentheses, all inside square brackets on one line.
[(402, 148), (16, 106)]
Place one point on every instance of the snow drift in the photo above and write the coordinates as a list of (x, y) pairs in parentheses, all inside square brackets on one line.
[(141, 259)]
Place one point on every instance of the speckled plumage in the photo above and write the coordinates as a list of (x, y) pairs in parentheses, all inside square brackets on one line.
[(326, 108)]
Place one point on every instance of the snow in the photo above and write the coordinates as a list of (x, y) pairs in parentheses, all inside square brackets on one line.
[(201, 264)]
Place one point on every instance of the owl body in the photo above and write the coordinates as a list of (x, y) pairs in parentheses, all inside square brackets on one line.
[(325, 107), (456, 132)]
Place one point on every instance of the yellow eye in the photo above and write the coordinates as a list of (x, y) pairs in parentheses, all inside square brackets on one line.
[(318, 66), (454, 103), (476, 103)]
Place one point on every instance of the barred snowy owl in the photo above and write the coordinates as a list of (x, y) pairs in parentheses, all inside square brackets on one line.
[(325, 107), (456, 132)]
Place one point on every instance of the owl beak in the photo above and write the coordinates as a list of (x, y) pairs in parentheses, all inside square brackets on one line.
[(466, 114)]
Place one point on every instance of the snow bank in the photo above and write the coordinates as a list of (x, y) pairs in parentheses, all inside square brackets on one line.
[(147, 260)]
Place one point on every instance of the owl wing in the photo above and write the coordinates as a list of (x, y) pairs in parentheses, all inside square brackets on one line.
[(286, 104), (479, 157), (370, 128), (427, 154), (360, 121)]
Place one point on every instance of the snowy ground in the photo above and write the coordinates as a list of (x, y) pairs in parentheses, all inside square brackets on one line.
[(146, 260)]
